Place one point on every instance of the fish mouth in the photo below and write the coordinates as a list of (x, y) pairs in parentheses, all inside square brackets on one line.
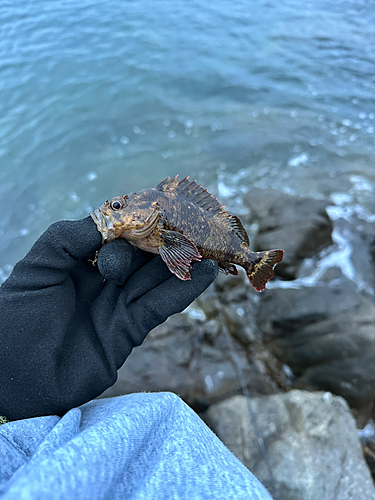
[(104, 225)]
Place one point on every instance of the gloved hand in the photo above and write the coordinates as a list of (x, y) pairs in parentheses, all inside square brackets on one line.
[(65, 329)]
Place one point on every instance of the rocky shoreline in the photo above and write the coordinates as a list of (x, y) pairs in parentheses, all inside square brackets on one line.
[(302, 354)]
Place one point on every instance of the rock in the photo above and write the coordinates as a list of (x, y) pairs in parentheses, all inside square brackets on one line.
[(240, 324), (369, 452), (312, 444), (228, 282), (326, 335), (190, 355), (367, 437), (300, 226), (235, 306)]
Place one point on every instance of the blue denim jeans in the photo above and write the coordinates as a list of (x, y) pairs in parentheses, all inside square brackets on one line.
[(139, 446)]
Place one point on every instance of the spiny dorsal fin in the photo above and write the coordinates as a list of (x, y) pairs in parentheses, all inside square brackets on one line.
[(168, 184), (200, 196)]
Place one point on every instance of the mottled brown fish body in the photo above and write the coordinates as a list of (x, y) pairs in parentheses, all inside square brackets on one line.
[(183, 223), (207, 231)]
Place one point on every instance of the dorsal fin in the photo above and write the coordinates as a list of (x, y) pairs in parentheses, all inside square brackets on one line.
[(200, 196), (238, 228), (168, 184)]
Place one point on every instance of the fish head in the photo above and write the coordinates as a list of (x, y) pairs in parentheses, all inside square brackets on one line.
[(125, 216)]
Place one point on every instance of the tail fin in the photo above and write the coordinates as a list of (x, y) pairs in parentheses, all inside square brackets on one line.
[(260, 269)]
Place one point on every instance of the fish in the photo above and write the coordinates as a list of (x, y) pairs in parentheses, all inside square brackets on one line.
[(184, 223)]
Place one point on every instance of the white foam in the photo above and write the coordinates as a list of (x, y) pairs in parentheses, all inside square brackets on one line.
[(225, 191), (298, 160), (360, 183), (339, 256), (347, 123), (74, 197), (340, 198), (91, 176)]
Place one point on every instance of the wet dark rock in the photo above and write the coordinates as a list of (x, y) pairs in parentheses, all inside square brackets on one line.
[(240, 324), (326, 334), (235, 308), (312, 444), (300, 226), (234, 288), (227, 282), (193, 355), (332, 275)]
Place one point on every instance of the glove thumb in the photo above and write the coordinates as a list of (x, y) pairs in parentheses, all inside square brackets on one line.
[(118, 260), (56, 253)]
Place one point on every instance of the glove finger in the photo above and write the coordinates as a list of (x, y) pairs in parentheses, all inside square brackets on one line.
[(125, 326), (172, 296), (56, 253), (118, 260), (146, 278)]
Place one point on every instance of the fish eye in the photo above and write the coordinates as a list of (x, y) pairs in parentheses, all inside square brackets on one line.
[(116, 205)]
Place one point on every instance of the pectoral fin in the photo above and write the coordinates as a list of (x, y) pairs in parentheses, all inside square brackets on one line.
[(178, 251)]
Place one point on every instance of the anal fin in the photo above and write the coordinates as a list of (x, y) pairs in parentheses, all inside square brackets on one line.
[(226, 268), (178, 251)]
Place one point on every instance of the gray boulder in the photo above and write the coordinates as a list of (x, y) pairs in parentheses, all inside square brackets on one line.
[(326, 334), (300, 226), (311, 440)]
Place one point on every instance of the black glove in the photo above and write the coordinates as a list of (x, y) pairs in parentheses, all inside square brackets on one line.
[(65, 330)]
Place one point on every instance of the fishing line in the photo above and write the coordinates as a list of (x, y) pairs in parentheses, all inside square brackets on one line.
[(246, 393)]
